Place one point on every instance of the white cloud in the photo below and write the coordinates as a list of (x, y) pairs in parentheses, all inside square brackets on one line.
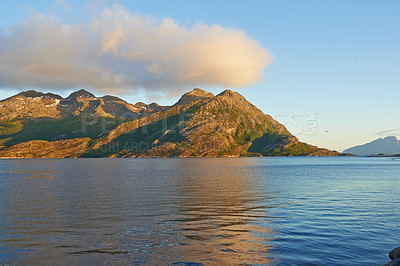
[(392, 132), (118, 51)]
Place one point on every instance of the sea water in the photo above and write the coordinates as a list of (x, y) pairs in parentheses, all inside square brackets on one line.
[(270, 211)]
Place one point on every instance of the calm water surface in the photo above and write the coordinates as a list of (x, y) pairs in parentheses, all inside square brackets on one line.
[(285, 211)]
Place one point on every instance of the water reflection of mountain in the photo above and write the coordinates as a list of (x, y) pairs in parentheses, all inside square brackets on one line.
[(220, 213), (135, 212)]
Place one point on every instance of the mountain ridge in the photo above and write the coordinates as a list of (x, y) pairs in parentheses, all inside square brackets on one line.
[(200, 124), (389, 145), (33, 104)]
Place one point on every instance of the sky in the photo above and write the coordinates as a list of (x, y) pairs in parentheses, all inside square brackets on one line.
[(328, 70)]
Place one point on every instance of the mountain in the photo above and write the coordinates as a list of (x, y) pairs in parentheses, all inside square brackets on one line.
[(194, 95), (200, 124), (389, 145), (33, 104)]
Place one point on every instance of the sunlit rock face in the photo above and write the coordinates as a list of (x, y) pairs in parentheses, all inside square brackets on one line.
[(33, 104), (200, 124)]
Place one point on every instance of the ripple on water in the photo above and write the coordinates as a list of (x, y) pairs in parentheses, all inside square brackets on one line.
[(288, 211)]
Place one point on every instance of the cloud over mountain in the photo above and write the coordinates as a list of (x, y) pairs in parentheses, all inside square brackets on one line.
[(118, 51), (384, 133)]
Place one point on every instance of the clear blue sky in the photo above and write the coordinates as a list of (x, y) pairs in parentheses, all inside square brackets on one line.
[(335, 63)]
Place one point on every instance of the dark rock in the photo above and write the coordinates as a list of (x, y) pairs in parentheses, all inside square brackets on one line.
[(112, 98), (80, 94), (395, 262), (347, 154), (395, 253)]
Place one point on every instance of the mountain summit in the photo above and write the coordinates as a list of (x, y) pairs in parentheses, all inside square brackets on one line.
[(81, 94), (194, 95), (37, 105), (200, 124), (389, 145)]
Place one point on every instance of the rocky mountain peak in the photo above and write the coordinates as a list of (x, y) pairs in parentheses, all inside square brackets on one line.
[(31, 93), (232, 98), (81, 94), (229, 93), (195, 95), (112, 98), (199, 92), (390, 139), (142, 104), (36, 94)]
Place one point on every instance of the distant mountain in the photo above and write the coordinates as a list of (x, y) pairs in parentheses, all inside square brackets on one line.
[(200, 124), (389, 145)]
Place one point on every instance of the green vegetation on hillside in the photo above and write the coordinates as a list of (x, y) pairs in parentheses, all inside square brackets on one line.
[(10, 127), (14, 132), (298, 149)]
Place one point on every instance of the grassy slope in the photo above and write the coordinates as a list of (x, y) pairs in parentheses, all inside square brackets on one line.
[(14, 132)]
